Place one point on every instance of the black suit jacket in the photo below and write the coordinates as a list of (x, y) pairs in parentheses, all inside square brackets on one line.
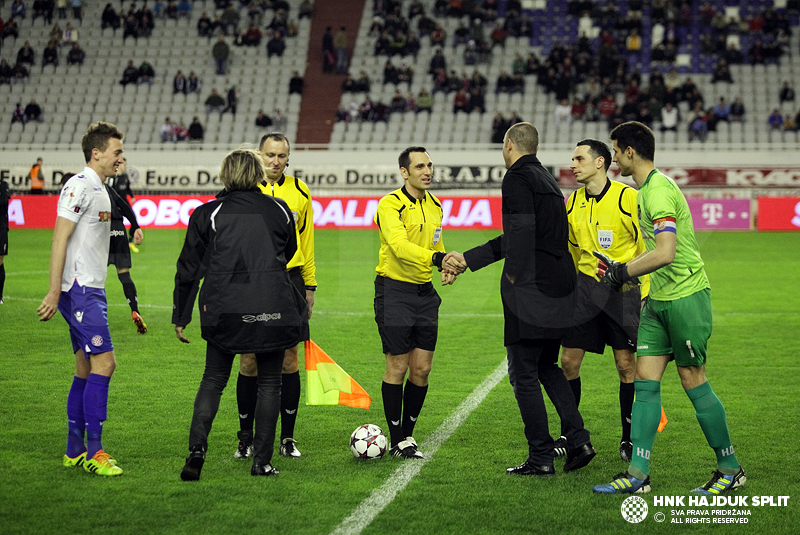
[(539, 303)]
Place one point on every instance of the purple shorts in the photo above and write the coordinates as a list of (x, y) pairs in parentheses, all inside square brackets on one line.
[(85, 310)]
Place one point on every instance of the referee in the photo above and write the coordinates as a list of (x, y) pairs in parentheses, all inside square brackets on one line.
[(602, 217), (5, 196), (274, 148), (406, 305)]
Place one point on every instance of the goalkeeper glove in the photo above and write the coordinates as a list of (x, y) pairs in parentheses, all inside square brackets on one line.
[(614, 274)]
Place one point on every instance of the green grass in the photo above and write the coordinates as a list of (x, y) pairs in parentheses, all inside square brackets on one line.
[(753, 367)]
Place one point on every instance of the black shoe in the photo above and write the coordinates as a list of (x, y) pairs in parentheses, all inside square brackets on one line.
[(529, 469), (579, 457), (626, 450), (263, 470), (245, 448), (288, 448), (560, 447), (406, 449), (194, 464)]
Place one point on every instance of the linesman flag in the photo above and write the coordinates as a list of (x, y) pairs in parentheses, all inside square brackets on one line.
[(328, 384), (663, 421)]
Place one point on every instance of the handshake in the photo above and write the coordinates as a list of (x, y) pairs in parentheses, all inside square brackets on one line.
[(453, 264)]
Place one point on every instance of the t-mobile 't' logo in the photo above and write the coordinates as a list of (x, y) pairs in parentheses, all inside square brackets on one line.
[(712, 212)]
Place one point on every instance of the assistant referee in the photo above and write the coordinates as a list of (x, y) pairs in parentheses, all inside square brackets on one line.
[(274, 149), (406, 304), (602, 217)]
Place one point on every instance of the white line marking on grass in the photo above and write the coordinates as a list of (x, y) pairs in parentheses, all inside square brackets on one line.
[(368, 509)]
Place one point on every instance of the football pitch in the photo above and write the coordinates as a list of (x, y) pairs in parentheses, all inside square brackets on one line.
[(470, 422)]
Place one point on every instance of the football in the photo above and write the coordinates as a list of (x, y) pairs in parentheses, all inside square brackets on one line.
[(368, 442)]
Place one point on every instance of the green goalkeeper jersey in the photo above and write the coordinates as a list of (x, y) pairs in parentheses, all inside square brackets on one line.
[(663, 208)]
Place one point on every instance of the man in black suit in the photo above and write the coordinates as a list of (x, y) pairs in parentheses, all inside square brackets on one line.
[(538, 292)]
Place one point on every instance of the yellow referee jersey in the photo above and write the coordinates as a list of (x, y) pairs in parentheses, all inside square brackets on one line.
[(411, 231), (608, 223), (296, 194)]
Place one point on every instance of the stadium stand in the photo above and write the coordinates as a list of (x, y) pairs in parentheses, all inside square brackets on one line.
[(557, 23), (72, 96)]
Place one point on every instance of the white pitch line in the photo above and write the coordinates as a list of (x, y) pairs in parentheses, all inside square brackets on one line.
[(365, 513)]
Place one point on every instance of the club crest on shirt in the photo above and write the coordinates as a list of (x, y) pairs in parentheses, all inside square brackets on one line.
[(97, 340), (104, 217), (605, 238)]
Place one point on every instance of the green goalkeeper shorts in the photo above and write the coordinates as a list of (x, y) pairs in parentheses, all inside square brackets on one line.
[(680, 328)]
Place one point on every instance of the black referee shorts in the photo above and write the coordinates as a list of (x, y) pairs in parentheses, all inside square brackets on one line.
[(3, 242), (119, 252), (296, 277), (604, 317), (407, 315)]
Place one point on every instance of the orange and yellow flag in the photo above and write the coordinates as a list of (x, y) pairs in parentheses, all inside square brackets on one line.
[(663, 421), (328, 384)]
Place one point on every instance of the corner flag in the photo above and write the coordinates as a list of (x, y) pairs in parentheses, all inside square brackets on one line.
[(328, 384)]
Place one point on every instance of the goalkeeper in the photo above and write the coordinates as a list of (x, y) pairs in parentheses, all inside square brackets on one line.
[(602, 217), (675, 321)]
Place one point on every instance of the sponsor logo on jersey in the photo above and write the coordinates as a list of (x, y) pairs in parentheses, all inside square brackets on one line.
[(79, 316), (265, 317), (115, 233)]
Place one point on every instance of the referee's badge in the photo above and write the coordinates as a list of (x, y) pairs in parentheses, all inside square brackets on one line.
[(605, 238), (436, 235)]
